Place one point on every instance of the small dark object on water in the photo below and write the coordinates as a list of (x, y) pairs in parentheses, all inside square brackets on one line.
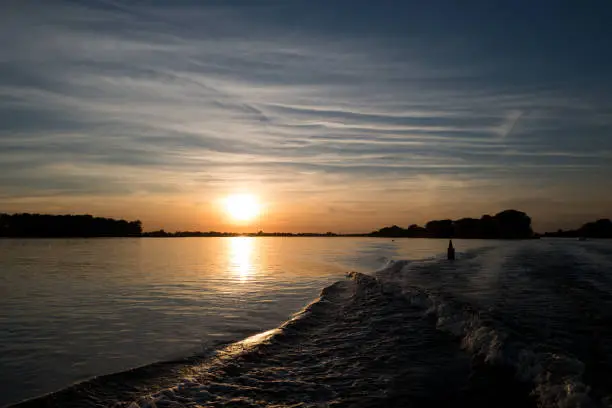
[(450, 254)]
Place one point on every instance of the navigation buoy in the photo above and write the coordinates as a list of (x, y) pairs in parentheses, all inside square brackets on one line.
[(450, 254)]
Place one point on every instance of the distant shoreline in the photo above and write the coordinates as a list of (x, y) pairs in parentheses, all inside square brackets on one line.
[(506, 225), (282, 236)]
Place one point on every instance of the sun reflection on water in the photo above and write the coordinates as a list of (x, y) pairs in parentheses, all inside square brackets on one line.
[(241, 257)]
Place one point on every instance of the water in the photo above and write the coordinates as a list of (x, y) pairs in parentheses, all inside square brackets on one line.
[(507, 324)]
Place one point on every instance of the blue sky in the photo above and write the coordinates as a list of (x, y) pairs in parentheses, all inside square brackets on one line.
[(340, 115)]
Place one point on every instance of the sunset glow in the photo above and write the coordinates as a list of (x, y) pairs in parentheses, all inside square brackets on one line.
[(242, 207)]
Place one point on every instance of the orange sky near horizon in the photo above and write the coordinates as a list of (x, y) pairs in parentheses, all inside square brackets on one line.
[(314, 212)]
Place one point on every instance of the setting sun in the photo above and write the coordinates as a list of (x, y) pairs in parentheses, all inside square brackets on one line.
[(242, 207)]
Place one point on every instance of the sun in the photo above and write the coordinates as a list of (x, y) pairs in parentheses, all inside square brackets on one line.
[(242, 207)]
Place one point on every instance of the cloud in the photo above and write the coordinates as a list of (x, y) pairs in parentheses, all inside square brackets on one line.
[(509, 124), (115, 99)]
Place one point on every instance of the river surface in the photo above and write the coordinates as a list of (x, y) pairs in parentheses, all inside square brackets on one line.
[(506, 324)]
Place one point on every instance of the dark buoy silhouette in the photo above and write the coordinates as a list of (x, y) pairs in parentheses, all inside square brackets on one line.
[(450, 254)]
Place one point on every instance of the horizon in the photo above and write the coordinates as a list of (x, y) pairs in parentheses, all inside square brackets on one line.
[(343, 117), (327, 232)]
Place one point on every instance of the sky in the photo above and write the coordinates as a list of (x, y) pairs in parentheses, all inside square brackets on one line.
[(338, 115)]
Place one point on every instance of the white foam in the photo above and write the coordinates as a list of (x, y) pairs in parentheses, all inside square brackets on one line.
[(557, 379)]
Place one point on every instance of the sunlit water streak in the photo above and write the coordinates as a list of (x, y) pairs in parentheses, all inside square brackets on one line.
[(74, 309), (241, 253)]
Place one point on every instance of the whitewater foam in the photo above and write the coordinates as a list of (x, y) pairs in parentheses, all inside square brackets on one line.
[(557, 378), (372, 305)]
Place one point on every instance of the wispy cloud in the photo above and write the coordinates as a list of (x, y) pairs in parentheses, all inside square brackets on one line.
[(508, 126), (119, 100)]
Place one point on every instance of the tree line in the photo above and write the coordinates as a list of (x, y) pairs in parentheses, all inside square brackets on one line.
[(597, 229), (508, 224), (44, 225)]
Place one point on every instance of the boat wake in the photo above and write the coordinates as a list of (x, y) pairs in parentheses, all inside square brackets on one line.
[(379, 339)]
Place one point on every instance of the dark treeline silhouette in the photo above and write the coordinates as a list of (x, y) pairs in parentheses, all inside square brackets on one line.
[(43, 225), (597, 229), (508, 224)]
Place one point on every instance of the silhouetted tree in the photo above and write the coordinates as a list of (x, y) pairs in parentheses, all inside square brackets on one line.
[(488, 227), (440, 228), (597, 229), (414, 231), (468, 228), (393, 231), (157, 234), (508, 224), (43, 225), (512, 224)]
